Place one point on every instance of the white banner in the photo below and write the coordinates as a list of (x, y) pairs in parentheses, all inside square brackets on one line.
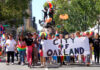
[(49, 49), (69, 46)]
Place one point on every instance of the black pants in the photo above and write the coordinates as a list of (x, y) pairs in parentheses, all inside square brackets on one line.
[(96, 55), (10, 54), (59, 59), (33, 56)]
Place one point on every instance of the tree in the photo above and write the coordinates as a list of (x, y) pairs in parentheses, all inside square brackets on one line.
[(13, 11), (82, 14)]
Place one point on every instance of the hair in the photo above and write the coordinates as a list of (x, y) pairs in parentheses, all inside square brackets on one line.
[(96, 35), (35, 33), (61, 35), (78, 32), (49, 35), (43, 36), (11, 35), (6, 36), (87, 33), (29, 34), (22, 37)]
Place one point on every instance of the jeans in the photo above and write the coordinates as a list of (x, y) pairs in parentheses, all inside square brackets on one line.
[(22, 56)]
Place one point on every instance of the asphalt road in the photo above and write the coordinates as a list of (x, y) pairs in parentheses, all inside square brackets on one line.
[(3, 66)]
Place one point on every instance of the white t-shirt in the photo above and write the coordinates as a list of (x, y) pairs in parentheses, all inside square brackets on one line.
[(10, 45)]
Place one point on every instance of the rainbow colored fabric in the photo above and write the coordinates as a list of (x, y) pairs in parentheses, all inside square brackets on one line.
[(41, 33), (3, 36), (50, 5), (21, 48)]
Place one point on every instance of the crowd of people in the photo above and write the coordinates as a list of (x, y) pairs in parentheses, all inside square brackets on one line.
[(30, 47)]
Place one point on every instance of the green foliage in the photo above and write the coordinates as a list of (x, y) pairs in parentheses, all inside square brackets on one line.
[(82, 14), (13, 9)]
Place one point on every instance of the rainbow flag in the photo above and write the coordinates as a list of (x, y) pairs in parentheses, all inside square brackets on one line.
[(3, 36), (50, 5), (21, 48)]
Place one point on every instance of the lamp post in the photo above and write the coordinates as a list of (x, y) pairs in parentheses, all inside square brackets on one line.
[(99, 26), (99, 32)]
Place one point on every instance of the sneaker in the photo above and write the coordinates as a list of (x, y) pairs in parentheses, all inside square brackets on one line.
[(44, 66), (7, 63), (88, 64), (91, 62), (50, 62), (23, 64), (30, 66), (19, 63), (41, 65), (12, 63), (77, 61)]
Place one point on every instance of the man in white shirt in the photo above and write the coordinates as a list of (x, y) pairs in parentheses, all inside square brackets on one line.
[(10, 48)]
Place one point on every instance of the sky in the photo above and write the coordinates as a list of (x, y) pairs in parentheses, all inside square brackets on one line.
[(37, 7)]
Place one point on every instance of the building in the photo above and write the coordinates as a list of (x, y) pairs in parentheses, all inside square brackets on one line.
[(28, 22)]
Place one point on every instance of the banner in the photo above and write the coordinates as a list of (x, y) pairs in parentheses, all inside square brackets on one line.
[(62, 47), (49, 49)]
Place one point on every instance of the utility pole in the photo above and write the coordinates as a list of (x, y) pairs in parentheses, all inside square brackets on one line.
[(99, 32)]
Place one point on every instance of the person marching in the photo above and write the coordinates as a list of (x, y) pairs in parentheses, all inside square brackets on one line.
[(10, 49), (29, 49), (35, 49), (21, 47), (96, 48), (91, 45), (42, 58)]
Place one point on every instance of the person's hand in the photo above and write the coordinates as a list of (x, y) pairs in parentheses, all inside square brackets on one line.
[(7, 44), (15, 51), (26, 52)]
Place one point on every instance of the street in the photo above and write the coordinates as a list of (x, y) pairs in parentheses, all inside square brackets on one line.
[(49, 34), (3, 66)]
